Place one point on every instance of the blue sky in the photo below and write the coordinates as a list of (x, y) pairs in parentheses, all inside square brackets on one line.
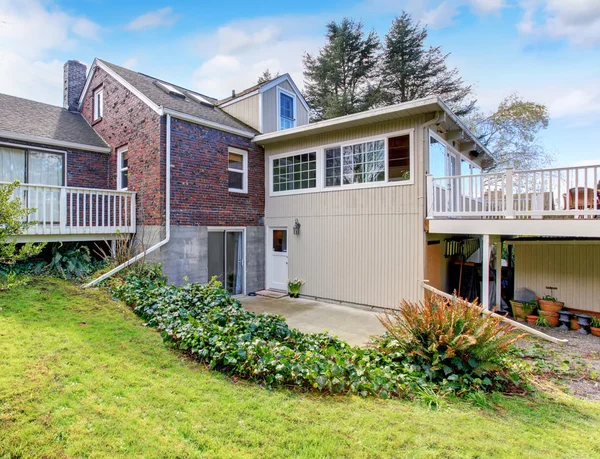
[(545, 50)]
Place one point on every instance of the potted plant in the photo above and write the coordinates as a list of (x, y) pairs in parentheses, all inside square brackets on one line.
[(550, 304), (294, 287), (595, 326), (542, 321), (532, 319), (550, 317), (520, 309)]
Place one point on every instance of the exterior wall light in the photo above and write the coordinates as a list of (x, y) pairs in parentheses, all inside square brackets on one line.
[(297, 227)]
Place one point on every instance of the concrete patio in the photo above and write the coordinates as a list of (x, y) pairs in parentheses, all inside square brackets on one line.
[(353, 325)]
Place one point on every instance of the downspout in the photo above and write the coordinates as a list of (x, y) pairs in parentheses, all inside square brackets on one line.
[(167, 216)]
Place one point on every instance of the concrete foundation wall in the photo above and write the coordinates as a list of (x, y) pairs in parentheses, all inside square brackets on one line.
[(186, 254)]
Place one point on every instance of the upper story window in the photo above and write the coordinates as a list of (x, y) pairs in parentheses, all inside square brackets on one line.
[(444, 161), (238, 170), (287, 109), (365, 163), (122, 168), (98, 104)]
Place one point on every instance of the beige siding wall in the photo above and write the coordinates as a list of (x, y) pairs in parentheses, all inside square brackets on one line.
[(246, 110), (362, 246), (270, 109), (573, 268)]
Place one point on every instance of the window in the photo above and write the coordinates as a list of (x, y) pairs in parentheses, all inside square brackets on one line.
[(360, 163), (466, 168), (297, 172), (98, 105), (122, 168), (30, 166), (437, 158), (287, 109), (399, 158), (238, 170), (279, 240)]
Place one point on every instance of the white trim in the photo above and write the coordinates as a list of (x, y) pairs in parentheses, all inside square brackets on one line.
[(281, 79), (320, 151), (25, 147), (203, 122), (269, 249), (260, 113), (244, 171), (116, 76), (98, 103), (120, 151), (242, 229), (238, 99), (58, 143), (280, 91)]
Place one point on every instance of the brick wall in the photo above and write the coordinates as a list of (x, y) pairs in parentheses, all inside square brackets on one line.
[(199, 181), (127, 121), (84, 168)]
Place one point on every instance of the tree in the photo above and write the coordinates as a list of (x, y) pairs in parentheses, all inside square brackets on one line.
[(266, 76), (411, 71), (511, 133), (340, 79), (12, 224)]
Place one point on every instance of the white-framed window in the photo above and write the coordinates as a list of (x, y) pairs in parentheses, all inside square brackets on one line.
[(369, 162), (286, 109), (98, 104), (122, 168), (237, 170)]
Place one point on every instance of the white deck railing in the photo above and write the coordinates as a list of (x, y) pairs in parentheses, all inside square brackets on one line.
[(561, 193), (69, 210)]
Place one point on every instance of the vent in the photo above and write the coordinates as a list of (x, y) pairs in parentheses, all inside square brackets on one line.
[(171, 90)]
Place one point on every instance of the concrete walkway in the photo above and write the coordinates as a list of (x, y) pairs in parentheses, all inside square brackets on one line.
[(350, 324)]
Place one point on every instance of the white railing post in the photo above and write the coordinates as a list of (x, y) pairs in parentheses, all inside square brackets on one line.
[(133, 222), (62, 219), (429, 212), (510, 207)]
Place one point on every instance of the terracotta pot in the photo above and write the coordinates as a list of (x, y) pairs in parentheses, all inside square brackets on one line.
[(519, 310), (551, 306), (551, 317), (595, 331), (531, 319), (574, 324)]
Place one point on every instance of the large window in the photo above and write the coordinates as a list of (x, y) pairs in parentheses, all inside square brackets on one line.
[(438, 160), (287, 109), (238, 170), (32, 166), (98, 104), (296, 172), (123, 168), (399, 158), (361, 163)]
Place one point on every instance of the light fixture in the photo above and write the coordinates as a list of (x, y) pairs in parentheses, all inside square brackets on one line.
[(296, 227)]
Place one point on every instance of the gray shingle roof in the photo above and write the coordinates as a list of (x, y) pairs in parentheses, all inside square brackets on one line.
[(31, 118), (189, 106)]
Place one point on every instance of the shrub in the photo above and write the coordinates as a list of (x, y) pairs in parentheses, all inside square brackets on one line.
[(70, 261), (452, 343)]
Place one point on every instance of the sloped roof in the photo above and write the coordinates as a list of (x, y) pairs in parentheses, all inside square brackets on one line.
[(27, 118), (188, 105), (246, 91)]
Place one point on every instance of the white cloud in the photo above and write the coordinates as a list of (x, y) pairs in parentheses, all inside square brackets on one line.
[(578, 102), (130, 63), (486, 6), (441, 16), (30, 31), (577, 21), (159, 18)]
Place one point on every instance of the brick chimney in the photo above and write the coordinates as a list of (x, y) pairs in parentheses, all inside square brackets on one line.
[(74, 81)]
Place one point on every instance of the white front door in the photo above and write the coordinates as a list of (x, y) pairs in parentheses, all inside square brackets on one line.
[(277, 258)]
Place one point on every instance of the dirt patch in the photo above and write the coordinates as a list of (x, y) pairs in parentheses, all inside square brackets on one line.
[(575, 365)]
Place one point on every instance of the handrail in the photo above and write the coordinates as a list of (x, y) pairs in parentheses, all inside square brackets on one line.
[(514, 323), (73, 188)]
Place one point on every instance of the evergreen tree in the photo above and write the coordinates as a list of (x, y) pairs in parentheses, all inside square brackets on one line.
[(266, 76), (411, 71), (340, 80)]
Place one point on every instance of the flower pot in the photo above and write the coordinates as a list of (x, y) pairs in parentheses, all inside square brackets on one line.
[(574, 324), (531, 319), (518, 311), (551, 306), (294, 295), (595, 331), (551, 317)]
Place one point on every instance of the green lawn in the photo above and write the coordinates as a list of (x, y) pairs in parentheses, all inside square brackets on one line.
[(80, 376)]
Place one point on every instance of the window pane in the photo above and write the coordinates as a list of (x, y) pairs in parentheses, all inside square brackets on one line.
[(124, 160), (236, 161), (12, 164), (364, 163), (399, 158), (333, 166), (236, 180), (297, 174), (437, 158), (279, 240), (46, 168)]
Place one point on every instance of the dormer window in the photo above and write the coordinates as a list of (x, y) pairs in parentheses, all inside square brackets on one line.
[(98, 104), (286, 109)]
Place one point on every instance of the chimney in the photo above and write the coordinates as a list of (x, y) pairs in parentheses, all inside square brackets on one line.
[(74, 81), (233, 93)]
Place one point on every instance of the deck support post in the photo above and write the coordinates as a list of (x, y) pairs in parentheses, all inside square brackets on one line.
[(485, 271), (498, 274)]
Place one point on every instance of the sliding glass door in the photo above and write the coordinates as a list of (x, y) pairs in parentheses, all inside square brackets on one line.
[(226, 258)]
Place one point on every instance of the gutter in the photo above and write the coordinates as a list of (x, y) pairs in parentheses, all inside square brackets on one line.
[(167, 217)]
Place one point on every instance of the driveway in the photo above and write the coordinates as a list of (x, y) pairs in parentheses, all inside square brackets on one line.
[(353, 325)]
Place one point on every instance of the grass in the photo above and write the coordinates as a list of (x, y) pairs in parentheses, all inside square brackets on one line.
[(80, 376)]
